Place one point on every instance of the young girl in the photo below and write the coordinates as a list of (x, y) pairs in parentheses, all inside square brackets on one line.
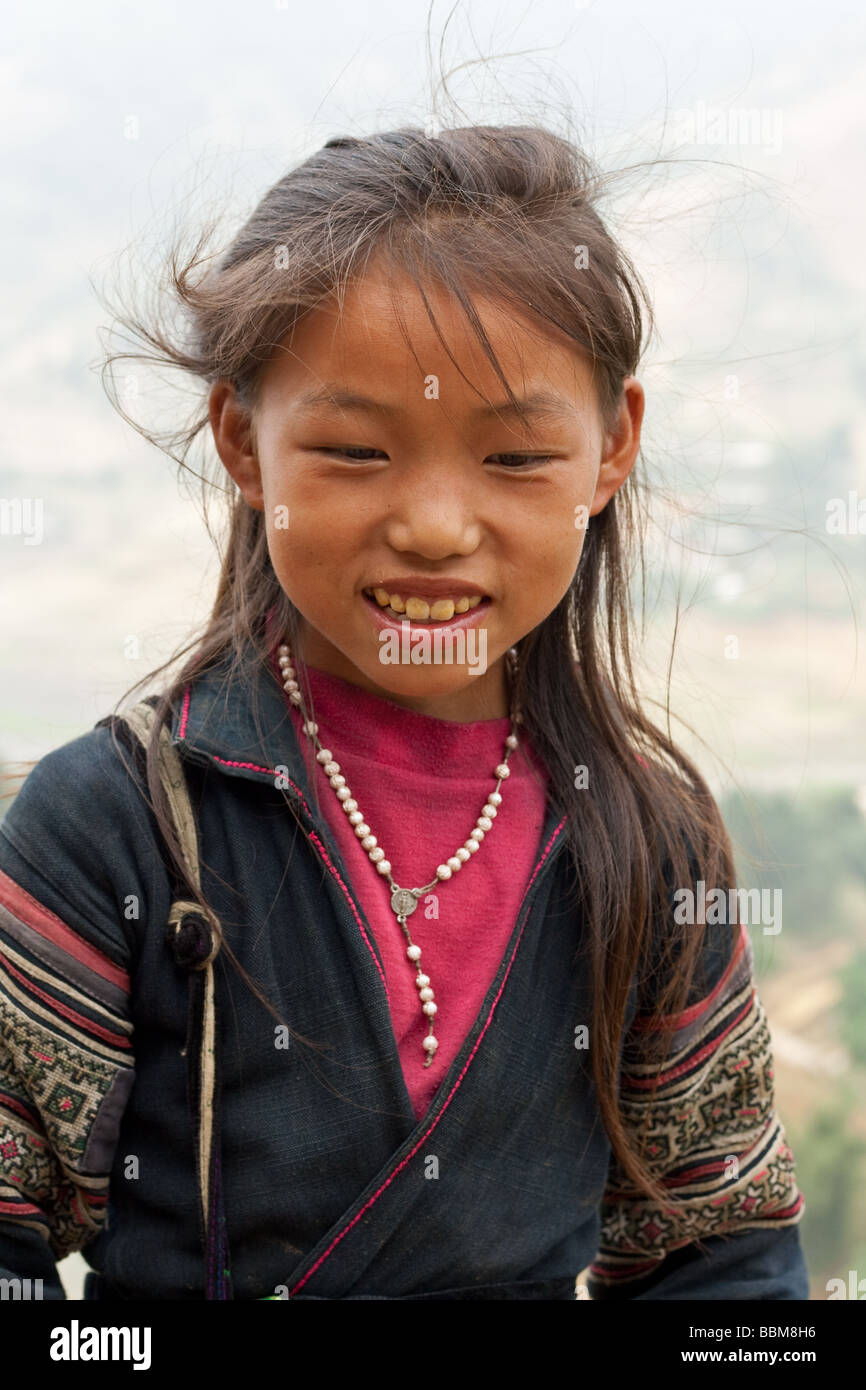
[(277, 1021)]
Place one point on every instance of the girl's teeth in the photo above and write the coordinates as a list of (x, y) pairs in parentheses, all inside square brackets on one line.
[(420, 611), (442, 609)]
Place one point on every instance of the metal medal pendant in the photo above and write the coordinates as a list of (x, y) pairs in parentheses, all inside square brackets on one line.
[(403, 902)]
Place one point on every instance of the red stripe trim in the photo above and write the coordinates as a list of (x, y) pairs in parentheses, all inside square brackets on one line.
[(22, 1209), (601, 1271), (711, 1166), (651, 1023), (791, 1210), (12, 1103), (718, 1165), (48, 925), (86, 1024), (782, 1212), (691, 1061), (702, 1170), (376, 1195)]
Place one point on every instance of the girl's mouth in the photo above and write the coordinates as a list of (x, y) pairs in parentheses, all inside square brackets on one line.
[(450, 618)]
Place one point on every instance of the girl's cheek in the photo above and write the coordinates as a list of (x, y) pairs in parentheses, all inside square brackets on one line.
[(555, 556), (557, 544), (303, 508), (294, 507)]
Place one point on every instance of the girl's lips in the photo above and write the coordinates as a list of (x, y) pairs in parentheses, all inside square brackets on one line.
[(383, 618)]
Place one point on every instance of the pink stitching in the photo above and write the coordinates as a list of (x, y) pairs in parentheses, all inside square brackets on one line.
[(326, 857), (231, 762), (457, 1083), (254, 767), (185, 712)]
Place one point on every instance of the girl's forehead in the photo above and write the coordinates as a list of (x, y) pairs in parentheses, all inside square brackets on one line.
[(383, 324), (375, 305)]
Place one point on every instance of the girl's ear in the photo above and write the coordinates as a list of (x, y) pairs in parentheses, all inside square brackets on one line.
[(233, 438), (621, 445)]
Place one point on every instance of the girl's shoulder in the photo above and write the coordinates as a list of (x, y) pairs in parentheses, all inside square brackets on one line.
[(78, 878), (79, 846)]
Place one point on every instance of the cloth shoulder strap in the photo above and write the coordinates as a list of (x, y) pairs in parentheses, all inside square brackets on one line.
[(194, 935), (141, 719)]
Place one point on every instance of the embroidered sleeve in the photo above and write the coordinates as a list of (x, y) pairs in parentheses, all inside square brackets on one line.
[(718, 1146), (66, 1060)]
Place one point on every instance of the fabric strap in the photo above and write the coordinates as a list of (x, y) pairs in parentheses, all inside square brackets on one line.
[(194, 934)]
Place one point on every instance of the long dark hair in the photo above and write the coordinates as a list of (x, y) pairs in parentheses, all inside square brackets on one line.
[(503, 208)]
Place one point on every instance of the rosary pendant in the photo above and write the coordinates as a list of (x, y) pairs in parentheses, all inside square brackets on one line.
[(403, 903)]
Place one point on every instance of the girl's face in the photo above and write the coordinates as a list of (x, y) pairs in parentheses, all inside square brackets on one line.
[(419, 488)]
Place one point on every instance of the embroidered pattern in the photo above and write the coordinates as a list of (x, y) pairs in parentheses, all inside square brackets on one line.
[(714, 1138), (66, 1072)]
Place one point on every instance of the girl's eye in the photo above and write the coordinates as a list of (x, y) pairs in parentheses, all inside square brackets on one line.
[(351, 449), (523, 459)]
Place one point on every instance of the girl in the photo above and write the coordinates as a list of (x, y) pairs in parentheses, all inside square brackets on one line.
[(267, 998)]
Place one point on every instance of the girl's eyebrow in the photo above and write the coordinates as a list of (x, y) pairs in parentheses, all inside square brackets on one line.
[(541, 405)]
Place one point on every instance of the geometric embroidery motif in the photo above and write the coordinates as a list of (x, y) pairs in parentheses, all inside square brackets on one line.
[(64, 1102), (713, 1139), (52, 1089)]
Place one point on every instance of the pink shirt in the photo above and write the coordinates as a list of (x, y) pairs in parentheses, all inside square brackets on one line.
[(421, 783)]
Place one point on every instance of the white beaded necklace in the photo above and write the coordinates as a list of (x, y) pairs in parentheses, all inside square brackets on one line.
[(405, 900)]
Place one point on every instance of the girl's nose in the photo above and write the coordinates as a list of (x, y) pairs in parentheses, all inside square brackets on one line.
[(433, 525)]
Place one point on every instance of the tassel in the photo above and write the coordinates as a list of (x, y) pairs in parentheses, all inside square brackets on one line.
[(194, 946)]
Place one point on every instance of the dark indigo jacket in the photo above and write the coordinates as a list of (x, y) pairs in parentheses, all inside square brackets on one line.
[(332, 1188)]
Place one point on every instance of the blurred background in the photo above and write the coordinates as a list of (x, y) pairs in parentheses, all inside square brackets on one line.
[(744, 129)]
